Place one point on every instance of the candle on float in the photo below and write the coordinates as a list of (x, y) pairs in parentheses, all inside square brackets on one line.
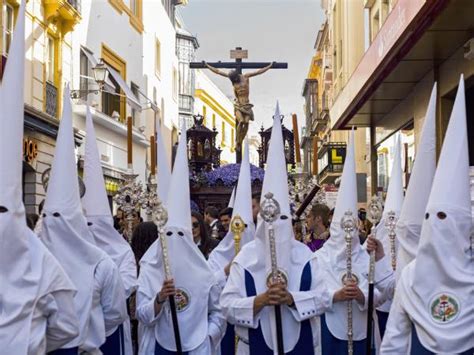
[(296, 138), (129, 142), (153, 155), (315, 155)]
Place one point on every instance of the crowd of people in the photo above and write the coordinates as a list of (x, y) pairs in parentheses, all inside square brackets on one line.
[(75, 285)]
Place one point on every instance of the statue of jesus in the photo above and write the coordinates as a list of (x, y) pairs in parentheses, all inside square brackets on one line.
[(242, 106)]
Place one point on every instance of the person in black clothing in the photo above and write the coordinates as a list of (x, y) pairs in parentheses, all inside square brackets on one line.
[(201, 235), (144, 235), (225, 217)]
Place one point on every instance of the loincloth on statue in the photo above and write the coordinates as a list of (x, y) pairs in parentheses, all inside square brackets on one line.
[(245, 110)]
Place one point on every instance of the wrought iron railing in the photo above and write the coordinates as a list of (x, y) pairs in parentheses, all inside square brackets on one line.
[(51, 99)]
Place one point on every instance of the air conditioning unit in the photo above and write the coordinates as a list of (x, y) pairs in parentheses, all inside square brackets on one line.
[(469, 49)]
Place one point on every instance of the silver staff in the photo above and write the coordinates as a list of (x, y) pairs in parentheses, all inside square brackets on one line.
[(270, 212), (390, 224), (348, 224), (375, 213), (160, 217)]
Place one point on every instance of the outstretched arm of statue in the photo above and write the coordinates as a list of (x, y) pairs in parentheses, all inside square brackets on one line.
[(260, 71), (215, 70)]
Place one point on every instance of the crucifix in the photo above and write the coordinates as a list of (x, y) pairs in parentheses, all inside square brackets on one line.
[(243, 109)]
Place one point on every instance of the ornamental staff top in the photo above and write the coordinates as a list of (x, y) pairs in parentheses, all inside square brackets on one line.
[(243, 109)]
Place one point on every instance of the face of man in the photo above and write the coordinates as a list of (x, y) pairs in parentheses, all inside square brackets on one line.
[(207, 218), (310, 222), (255, 208), (225, 221)]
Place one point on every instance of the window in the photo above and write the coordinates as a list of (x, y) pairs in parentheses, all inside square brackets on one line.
[(111, 104), (135, 89), (158, 58), (175, 84), (375, 25), (50, 59), (8, 21), (84, 72)]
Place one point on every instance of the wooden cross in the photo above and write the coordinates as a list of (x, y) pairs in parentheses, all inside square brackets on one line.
[(238, 54)]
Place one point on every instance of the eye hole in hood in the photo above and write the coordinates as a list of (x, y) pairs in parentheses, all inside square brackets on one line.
[(3, 209)]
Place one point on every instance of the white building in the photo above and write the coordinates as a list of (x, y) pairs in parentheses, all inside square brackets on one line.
[(218, 112), (136, 40)]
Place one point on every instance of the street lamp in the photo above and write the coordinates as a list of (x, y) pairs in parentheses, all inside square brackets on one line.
[(101, 73)]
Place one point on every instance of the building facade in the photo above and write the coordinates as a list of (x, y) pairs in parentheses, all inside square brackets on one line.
[(337, 50), (137, 42), (65, 41), (186, 46), (217, 110), (48, 62), (409, 46)]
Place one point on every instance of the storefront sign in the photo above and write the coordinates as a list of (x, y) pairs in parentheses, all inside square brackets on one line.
[(30, 150)]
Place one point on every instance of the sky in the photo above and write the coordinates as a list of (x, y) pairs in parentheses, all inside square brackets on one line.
[(271, 30)]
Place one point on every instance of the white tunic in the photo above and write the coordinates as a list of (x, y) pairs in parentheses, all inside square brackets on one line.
[(109, 308), (146, 315), (54, 321), (238, 308)]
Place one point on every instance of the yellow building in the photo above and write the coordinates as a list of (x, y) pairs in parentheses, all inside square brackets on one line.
[(218, 112), (337, 50), (48, 58), (408, 46)]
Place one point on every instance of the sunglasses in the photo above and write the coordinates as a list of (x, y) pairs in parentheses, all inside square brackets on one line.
[(196, 225)]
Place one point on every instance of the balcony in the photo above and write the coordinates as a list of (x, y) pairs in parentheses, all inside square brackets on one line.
[(51, 99), (186, 104), (68, 12), (331, 159)]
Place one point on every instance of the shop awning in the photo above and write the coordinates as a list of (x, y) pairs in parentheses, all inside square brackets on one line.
[(131, 98), (416, 36)]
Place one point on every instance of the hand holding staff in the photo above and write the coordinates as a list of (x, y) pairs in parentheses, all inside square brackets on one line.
[(160, 217), (270, 211)]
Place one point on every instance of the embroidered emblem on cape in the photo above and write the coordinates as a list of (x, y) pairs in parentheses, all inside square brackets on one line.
[(444, 308), (182, 299), (282, 277), (354, 277)]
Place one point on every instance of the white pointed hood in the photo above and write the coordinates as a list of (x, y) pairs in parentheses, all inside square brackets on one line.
[(332, 256), (346, 201), (223, 254), (188, 266), (418, 190), (232, 199), (27, 270), (96, 204), (65, 232), (292, 256), (444, 251), (393, 203), (163, 165), (394, 199)]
